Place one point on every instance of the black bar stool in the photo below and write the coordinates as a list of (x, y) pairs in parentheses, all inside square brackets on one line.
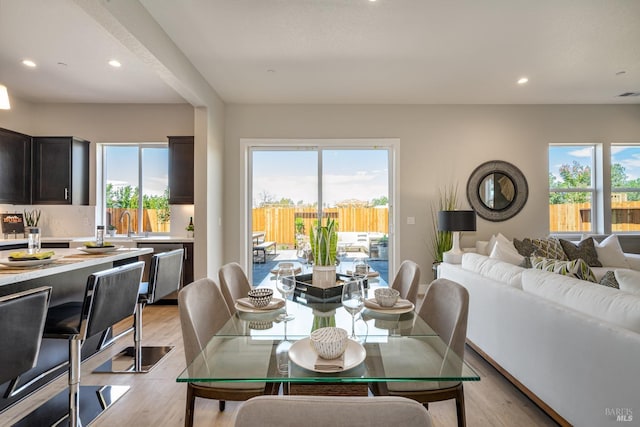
[(110, 297), (22, 317), (164, 278)]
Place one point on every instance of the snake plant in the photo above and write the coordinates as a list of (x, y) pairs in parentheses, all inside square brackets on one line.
[(324, 243)]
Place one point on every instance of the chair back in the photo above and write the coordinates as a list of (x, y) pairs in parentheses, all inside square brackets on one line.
[(407, 280), (203, 312), (446, 308), (321, 411), (164, 274), (233, 283), (22, 317), (111, 296)]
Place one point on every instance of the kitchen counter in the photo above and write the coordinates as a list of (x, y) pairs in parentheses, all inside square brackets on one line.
[(118, 240)]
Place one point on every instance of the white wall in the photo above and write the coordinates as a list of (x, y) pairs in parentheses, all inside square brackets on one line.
[(440, 145)]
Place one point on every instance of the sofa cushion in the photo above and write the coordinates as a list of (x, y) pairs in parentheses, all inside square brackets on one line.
[(628, 280), (584, 250), (609, 280), (496, 238), (601, 302), (549, 248), (610, 252), (576, 268), (493, 269), (506, 252)]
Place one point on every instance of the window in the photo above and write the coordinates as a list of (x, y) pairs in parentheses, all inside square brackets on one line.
[(127, 168), (625, 188), (571, 188)]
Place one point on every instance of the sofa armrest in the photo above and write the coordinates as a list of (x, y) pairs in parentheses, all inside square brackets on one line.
[(633, 260)]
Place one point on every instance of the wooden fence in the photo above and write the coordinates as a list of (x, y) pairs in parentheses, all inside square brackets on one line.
[(625, 216), (279, 222), (150, 221)]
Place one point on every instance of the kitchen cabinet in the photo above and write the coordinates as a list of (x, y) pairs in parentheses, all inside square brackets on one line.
[(60, 171), (181, 170), (15, 168)]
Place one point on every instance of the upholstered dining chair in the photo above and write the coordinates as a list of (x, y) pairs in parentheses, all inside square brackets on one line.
[(321, 411), (203, 312), (407, 281), (445, 308), (233, 283)]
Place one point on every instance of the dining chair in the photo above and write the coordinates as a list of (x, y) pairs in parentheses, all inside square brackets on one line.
[(203, 312), (233, 283), (321, 411), (445, 308), (22, 317), (407, 281)]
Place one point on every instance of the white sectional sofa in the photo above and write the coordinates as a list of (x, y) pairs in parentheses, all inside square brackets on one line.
[(571, 345)]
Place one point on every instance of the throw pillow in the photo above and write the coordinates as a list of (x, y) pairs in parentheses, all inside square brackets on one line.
[(584, 250), (576, 268), (526, 263), (481, 247), (550, 248), (506, 252), (609, 280), (610, 252), (495, 238), (525, 247), (629, 280)]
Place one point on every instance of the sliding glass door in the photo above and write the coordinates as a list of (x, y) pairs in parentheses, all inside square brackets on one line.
[(291, 187)]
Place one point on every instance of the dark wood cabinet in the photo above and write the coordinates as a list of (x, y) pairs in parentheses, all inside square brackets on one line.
[(181, 170), (60, 171), (15, 168)]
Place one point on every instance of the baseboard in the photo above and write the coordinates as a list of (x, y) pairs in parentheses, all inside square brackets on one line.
[(531, 395)]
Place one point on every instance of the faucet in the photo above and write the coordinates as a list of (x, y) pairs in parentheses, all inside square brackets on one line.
[(128, 214)]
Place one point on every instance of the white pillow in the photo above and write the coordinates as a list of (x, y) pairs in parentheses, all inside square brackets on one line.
[(610, 252), (496, 238), (481, 247), (628, 280), (506, 252)]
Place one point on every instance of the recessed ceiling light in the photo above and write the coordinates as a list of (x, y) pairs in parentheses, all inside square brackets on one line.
[(115, 63), (29, 63), (522, 80)]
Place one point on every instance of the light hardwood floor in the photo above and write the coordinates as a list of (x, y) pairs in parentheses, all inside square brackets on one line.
[(155, 399)]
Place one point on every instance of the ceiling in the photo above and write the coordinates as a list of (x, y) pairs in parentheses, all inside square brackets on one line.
[(336, 51)]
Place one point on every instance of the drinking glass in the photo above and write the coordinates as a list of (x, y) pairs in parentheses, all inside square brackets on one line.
[(353, 301), (282, 354), (286, 284)]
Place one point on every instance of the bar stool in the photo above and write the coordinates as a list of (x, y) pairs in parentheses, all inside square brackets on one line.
[(164, 278), (22, 317), (110, 297)]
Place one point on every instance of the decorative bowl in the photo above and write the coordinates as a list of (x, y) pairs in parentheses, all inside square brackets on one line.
[(329, 342), (386, 297), (260, 297)]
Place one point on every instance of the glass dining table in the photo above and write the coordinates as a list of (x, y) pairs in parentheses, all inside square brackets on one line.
[(257, 346)]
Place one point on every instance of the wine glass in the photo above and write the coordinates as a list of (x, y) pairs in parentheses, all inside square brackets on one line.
[(286, 284), (353, 301), (282, 354)]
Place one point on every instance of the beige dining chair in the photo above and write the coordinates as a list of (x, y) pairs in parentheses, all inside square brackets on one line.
[(445, 308), (321, 411), (203, 312), (233, 283), (407, 281)]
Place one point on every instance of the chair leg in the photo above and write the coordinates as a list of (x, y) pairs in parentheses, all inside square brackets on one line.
[(137, 338), (75, 346), (189, 407), (462, 422), (221, 405)]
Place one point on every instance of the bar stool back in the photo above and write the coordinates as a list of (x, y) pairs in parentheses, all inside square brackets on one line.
[(22, 317), (165, 273), (110, 297)]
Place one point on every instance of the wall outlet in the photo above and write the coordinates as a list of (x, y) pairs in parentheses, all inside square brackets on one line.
[(411, 220)]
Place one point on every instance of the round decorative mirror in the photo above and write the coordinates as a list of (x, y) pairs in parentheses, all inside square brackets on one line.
[(497, 190)]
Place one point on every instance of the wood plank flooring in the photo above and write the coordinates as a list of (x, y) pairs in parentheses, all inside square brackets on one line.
[(155, 399)]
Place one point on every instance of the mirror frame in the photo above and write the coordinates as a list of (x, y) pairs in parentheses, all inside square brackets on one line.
[(519, 182)]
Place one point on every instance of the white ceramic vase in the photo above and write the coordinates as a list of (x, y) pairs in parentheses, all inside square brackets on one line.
[(324, 276)]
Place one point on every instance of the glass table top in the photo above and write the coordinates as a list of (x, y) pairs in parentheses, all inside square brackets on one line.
[(254, 347)]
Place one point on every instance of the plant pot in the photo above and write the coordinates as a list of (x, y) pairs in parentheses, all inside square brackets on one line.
[(324, 276), (383, 252)]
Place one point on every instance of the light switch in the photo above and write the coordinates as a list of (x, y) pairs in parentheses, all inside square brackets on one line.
[(411, 220)]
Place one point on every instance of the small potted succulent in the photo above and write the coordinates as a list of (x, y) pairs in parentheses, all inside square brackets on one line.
[(111, 230)]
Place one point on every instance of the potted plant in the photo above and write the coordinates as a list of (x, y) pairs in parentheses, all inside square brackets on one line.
[(383, 247), (111, 230), (324, 246), (31, 218), (441, 241)]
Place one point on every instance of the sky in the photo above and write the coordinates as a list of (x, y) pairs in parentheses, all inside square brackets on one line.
[(627, 156), (348, 174), (122, 168)]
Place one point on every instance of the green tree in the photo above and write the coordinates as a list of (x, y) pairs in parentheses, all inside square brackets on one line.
[(575, 175), (380, 201)]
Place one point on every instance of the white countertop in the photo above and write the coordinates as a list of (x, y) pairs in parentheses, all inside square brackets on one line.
[(67, 260), (117, 240)]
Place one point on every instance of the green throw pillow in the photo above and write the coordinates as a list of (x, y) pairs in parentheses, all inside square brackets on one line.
[(576, 268)]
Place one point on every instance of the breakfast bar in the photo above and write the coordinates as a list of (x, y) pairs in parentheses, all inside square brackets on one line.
[(66, 272)]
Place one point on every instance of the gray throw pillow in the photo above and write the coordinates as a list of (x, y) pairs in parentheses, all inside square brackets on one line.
[(609, 279), (525, 247), (585, 250)]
